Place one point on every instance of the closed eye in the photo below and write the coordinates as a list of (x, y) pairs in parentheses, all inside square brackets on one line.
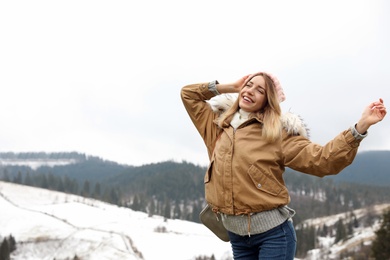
[(261, 90)]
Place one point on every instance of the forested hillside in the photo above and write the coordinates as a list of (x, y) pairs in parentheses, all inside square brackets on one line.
[(368, 168)]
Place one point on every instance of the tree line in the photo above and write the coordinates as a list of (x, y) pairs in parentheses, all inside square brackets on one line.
[(153, 204), (176, 190)]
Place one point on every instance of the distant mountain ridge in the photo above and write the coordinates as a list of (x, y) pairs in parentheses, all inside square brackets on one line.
[(369, 167), (72, 164), (42, 156)]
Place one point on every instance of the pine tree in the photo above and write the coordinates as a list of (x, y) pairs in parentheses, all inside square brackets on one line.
[(97, 191), (196, 209), (6, 177), (152, 208), (86, 189), (136, 204), (341, 232), (381, 246), (307, 239), (4, 250), (51, 181), (177, 211), (60, 185), (28, 180), (159, 208), (114, 196), (11, 243), (18, 178), (43, 183), (167, 209)]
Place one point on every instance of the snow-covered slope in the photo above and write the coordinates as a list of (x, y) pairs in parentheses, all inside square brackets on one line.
[(326, 246), (54, 225), (36, 163)]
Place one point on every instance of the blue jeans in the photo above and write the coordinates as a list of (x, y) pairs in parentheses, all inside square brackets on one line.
[(278, 243)]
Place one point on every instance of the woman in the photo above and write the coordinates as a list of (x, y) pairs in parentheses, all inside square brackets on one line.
[(249, 143)]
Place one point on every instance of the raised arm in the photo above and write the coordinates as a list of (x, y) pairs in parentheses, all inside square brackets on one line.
[(305, 156), (233, 87)]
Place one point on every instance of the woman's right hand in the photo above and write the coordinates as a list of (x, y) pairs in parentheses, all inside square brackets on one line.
[(233, 87), (238, 84)]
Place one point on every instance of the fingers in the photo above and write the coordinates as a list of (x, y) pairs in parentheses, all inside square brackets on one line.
[(245, 77), (378, 105), (379, 109)]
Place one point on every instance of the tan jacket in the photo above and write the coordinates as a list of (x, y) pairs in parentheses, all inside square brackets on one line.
[(245, 172)]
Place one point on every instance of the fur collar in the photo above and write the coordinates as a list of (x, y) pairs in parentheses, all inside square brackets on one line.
[(292, 123)]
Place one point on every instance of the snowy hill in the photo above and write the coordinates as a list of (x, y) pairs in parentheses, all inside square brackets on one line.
[(54, 225), (326, 247)]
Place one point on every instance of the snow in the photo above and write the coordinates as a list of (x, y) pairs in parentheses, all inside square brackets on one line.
[(54, 225), (331, 220), (361, 235), (35, 164)]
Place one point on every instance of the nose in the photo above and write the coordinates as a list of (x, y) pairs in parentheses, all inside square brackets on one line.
[(250, 90)]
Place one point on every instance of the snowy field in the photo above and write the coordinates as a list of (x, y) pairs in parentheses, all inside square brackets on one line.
[(54, 225), (51, 225)]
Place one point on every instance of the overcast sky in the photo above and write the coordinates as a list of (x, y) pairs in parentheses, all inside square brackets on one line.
[(104, 77)]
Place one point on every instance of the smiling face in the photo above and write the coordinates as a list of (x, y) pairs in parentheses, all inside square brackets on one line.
[(253, 96)]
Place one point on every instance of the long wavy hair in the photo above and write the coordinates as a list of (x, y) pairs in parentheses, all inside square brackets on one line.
[(270, 114)]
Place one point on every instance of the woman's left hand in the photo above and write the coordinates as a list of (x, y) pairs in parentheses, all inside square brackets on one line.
[(373, 113)]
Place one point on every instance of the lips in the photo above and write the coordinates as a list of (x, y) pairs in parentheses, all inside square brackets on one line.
[(247, 99)]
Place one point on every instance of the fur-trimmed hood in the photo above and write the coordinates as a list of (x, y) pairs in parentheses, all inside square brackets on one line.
[(292, 123)]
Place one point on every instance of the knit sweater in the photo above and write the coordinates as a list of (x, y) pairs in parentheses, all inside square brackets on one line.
[(257, 223)]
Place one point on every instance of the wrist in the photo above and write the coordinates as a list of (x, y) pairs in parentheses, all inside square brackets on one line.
[(226, 88), (358, 135), (361, 127)]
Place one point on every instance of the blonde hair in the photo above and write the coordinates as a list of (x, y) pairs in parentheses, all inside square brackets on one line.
[(270, 113)]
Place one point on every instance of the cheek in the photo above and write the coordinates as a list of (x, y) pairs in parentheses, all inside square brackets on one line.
[(262, 101)]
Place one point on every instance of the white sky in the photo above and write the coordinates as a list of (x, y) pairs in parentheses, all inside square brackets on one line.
[(104, 77)]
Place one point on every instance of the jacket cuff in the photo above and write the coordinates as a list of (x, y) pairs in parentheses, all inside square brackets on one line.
[(356, 134), (350, 139), (213, 87)]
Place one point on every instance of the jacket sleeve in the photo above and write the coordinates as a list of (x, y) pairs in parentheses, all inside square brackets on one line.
[(194, 98), (302, 155)]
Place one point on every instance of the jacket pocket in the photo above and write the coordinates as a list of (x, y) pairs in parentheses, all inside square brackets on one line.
[(264, 181)]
